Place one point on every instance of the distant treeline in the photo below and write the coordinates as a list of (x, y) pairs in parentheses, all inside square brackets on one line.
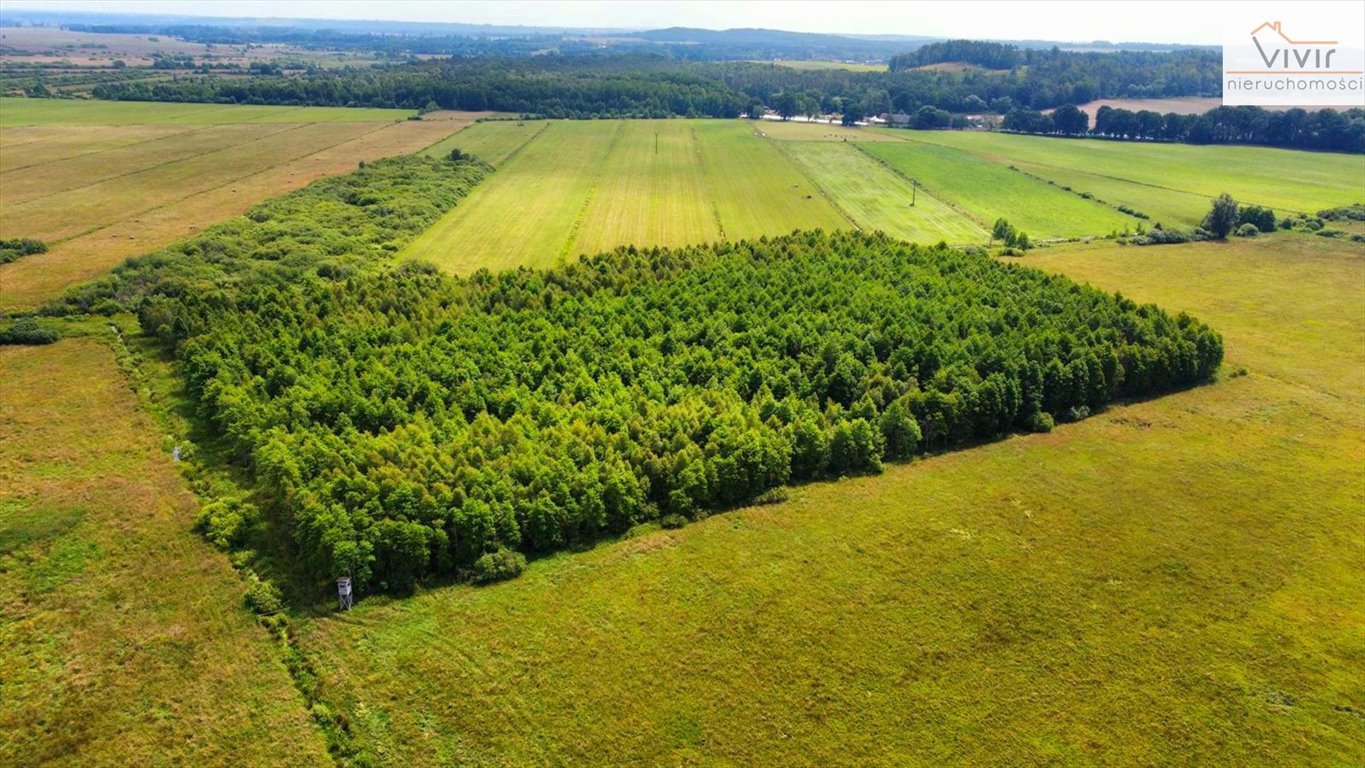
[(656, 86), (635, 85), (1325, 129), (402, 423), (548, 86)]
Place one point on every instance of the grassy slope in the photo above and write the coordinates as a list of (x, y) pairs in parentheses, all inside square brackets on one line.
[(988, 190), (1283, 179), (651, 191), (16, 112), (125, 639), (876, 198), (1168, 582)]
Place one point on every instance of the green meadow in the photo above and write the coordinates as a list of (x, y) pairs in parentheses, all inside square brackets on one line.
[(1288, 180), (1166, 582), (596, 185)]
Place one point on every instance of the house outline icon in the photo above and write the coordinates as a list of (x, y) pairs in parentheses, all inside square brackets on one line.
[(1276, 27)]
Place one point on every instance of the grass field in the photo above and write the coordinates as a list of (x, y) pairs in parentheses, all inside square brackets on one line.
[(651, 190), (1287, 180), (494, 142), (808, 64), (590, 186), (595, 185), (1167, 582), (16, 112), (987, 191), (125, 640), (99, 193), (876, 198)]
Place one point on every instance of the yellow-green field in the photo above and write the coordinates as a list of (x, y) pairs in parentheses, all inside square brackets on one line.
[(1284, 179), (125, 639), (98, 191), (874, 197), (1167, 582), (16, 112), (581, 187), (595, 185)]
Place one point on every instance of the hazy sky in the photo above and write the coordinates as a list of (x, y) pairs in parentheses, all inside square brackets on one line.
[(1113, 20)]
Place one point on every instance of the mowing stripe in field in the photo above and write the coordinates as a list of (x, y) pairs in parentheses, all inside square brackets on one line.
[(54, 144), (84, 170), (876, 198), (987, 190), (524, 213), (15, 112), (650, 191), (1169, 206), (756, 190), (494, 141), (76, 211), (1284, 179), (597, 176)]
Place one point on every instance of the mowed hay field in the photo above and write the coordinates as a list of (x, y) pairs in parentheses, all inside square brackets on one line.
[(125, 639), (564, 189), (1174, 581), (98, 193), (1284, 179), (569, 188)]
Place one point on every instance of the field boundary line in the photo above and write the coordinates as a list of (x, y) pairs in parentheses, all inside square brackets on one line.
[(915, 183), (519, 148), (42, 163), (706, 186), (994, 158), (163, 165), (167, 137), (227, 183), (592, 193), (801, 169)]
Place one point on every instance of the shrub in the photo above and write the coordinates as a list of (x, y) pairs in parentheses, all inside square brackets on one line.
[(13, 249), (771, 496), (499, 565), (1248, 230), (225, 522), (26, 330), (1262, 218), (1078, 412), (1040, 421), (672, 522), (263, 597), (1332, 233)]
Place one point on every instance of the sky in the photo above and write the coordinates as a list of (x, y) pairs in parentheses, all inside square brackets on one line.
[(1113, 20)]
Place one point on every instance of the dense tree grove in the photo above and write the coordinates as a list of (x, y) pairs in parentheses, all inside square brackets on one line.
[(1325, 129), (549, 86), (407, 423)]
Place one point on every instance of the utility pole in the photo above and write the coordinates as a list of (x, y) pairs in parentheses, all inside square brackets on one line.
[(656, 142), (914, 191)]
